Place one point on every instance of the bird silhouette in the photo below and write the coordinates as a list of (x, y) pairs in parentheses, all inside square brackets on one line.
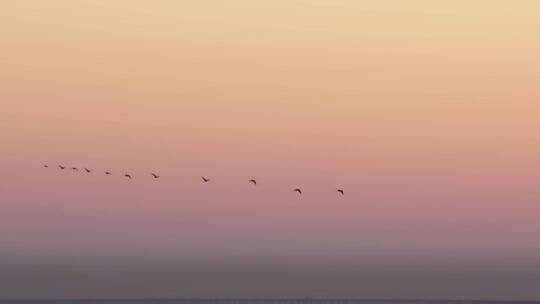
[(107, 172), (155, 175), (46, 166), (74, 168), (298, 190), (61, 167), (206, 180), (127, 175), (253, 181), (87, 170), (341, 191)]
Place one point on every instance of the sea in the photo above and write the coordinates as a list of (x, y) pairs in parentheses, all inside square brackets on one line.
[(260, 301)]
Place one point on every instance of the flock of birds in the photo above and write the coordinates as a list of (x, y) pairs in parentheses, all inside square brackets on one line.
[(155, 176)]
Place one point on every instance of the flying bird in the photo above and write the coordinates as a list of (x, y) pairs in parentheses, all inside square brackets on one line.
[(127, 175), (74, 168), (341, 191), (87, 170), (298, 190), (155, 175), (46, 166), (206, 180), (107, 172), (253, 181), (61, 167)]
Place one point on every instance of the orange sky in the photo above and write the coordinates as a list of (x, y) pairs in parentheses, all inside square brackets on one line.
[(425, 112)]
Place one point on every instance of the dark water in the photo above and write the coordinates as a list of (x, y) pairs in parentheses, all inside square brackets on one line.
[(260, 301)]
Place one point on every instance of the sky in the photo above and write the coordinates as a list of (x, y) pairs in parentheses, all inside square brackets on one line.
[(425, 113)]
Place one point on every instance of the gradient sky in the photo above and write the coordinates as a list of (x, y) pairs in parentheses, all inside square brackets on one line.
[(426, 113)]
